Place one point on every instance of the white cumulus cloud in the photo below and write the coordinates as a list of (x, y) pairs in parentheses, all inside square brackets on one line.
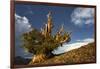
[(75, 45), (82, 16), (22, 24)]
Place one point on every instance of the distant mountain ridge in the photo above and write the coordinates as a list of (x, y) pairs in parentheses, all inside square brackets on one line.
[(21, 61)]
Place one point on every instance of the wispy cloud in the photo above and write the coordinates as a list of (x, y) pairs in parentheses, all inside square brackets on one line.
[(88, 40), (82, 16), (29, 12), (75, 45)]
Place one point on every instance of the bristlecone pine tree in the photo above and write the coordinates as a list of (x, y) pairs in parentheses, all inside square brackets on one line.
[(42, 43)]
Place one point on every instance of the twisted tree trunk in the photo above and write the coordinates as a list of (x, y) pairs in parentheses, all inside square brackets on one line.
[(40, 58)]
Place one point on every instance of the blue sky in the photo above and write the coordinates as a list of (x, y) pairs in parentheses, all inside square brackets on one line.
[(78, 20)]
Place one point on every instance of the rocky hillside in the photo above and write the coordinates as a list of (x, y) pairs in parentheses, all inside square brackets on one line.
[(85, 54)]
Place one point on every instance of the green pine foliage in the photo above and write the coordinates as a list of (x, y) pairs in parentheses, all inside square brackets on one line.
[(34, 42)]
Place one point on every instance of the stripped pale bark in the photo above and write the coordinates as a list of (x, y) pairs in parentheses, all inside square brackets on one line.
[(38, 58)]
